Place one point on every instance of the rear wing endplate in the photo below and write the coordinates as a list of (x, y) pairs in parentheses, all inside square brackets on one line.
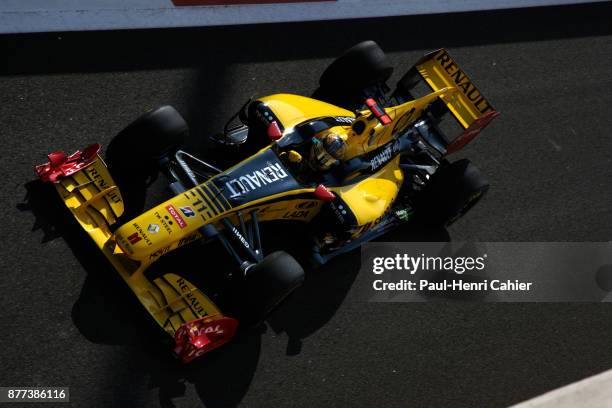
[(469, 106), (439, 70)]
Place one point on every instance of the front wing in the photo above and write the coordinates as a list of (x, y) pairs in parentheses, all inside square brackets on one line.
[(87, 189)]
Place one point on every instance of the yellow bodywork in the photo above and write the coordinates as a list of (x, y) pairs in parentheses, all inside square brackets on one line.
[(292, 110), (440, 71), (402, 116), (96, 203), (370, 198), (180, 229)]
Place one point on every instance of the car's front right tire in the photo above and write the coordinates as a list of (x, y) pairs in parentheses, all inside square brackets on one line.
[(268, 283)]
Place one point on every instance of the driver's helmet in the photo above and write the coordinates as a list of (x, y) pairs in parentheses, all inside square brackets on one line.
[(326, 151)]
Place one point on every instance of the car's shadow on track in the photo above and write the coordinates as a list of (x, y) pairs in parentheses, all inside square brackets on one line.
[(326, 287), (106, 312)]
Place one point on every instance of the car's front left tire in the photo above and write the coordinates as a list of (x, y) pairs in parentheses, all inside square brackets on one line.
[(134, 152)]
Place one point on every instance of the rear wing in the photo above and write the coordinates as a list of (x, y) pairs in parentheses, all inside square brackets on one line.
[(469, 106)]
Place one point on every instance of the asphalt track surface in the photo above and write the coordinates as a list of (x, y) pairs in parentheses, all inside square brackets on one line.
[(68, 321)]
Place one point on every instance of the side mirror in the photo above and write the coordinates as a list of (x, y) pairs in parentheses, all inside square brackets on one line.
[(378, 112)]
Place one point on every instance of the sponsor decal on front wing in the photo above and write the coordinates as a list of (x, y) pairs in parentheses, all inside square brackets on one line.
[(139, 235), (153, 228), (187, 211), (134, 238), (177, 217)]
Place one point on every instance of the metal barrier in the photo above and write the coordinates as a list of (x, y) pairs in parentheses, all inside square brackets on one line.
[(23, 16)]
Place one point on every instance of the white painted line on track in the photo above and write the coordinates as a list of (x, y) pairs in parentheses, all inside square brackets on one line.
[(592, 392)]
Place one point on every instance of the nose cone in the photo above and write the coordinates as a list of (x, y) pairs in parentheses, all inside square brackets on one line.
[(157, 229)]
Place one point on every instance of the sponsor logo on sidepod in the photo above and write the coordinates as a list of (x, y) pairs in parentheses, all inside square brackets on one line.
[(256, 179)]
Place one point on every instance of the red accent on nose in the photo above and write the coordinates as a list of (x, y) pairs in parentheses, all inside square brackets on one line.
[(60, 165), (90, 152), (274, 132), (201, 341), (323, 193), (199, 336)]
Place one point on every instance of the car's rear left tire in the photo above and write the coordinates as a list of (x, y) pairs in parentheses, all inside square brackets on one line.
[(362, 66)]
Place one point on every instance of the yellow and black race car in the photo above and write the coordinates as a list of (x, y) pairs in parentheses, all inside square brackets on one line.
[(353, 162)]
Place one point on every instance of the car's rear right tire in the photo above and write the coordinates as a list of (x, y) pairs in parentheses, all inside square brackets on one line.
[(453, 190), (268, 283)]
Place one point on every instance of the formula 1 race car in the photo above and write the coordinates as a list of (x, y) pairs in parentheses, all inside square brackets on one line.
[(353, 162)]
